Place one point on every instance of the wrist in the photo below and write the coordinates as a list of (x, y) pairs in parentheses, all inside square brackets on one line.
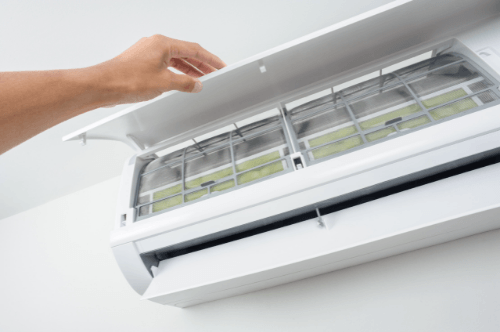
[(102, 87)]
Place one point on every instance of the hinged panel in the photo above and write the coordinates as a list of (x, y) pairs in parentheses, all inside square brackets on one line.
[(251, 86)]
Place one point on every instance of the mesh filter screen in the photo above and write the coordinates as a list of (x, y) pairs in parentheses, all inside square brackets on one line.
[(222, 186), (379, 134), (257, 127), (363, 88), (450, 76), (318, 105), (396, 97), (427, 65), (260, 150), (172, 158), (159, 178), (337, 147), (414, 123), (462, 105), (214, 165), (371, 112), (207, 145), (206, 167), (335, 117), (478, 86), (383, 107), (272, 140), (261, 172)]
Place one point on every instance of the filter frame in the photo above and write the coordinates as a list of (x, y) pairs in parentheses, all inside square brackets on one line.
[(284, 159)]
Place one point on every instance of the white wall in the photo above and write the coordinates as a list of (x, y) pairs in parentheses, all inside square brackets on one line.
[(58, 274)]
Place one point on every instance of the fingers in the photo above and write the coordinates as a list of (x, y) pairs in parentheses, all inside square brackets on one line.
[(183, 49), (200, 65), (184, 83), (185, 67)]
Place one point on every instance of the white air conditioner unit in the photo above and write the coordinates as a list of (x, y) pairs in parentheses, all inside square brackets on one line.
[(374, 137)]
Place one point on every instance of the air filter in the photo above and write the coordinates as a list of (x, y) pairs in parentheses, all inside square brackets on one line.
[(238, 158), (382, 108), (414, 97)]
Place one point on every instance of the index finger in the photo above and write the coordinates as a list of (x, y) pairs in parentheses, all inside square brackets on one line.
[(183, 49)]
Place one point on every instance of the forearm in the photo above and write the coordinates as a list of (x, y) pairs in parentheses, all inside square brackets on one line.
[(31, 102)]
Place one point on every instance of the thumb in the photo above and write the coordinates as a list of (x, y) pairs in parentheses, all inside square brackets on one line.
[(183, 83)]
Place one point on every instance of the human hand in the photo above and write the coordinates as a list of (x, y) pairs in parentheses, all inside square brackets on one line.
[(141, 72), (35, 101)]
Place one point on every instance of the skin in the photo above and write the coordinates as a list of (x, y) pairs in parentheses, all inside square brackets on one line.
[(32, 102)]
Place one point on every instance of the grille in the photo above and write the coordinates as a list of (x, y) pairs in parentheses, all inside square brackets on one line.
[(241, 157), (426, 93)]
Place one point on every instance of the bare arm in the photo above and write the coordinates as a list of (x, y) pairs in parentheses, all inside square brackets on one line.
[(31, 102)]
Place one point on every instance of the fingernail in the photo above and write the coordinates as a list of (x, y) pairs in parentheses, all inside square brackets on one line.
[(197, 87)]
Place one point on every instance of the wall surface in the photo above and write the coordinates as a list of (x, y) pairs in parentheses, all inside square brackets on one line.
[(58, 274)]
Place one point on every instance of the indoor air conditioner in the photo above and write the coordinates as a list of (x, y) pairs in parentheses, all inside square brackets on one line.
[(373, 137)]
